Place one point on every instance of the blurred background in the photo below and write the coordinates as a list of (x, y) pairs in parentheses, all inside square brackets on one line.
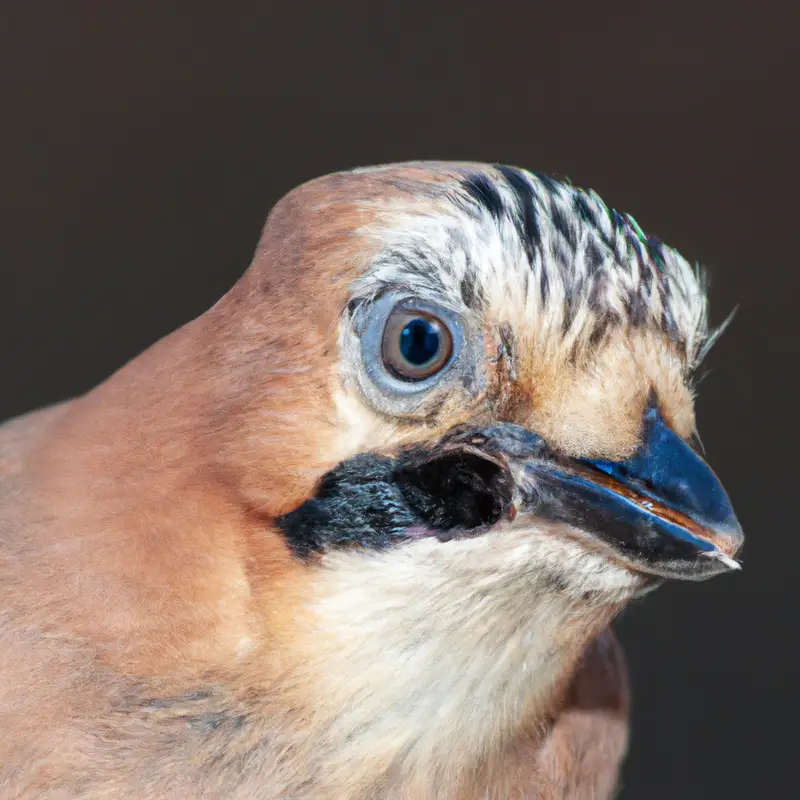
[(142, 145)]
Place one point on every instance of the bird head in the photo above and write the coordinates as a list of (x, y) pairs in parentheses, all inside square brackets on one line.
[(456, 353)]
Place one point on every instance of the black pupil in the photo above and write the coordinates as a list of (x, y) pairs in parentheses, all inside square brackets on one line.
[(420, 341)]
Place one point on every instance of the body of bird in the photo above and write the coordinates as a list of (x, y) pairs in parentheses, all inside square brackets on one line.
[(359, 530)]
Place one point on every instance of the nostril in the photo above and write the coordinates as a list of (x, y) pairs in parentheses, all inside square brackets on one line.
[(458, 489)]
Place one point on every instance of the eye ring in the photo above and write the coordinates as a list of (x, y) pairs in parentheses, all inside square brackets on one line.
[(416, 344), (381, 382)]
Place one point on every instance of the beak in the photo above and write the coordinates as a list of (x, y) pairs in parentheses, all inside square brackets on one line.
[(662, 512)]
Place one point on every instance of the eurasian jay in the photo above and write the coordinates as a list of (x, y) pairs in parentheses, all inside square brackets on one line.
[(359, 530)]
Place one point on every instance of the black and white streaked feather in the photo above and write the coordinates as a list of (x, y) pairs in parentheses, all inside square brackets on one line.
[(544, 250)]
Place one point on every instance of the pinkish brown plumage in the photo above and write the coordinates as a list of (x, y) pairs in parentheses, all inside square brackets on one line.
[(279, 555)]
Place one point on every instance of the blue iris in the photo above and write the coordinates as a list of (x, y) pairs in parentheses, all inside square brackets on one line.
[(420, 341)]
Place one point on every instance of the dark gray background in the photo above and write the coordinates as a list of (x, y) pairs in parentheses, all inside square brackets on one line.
[(141, 148)]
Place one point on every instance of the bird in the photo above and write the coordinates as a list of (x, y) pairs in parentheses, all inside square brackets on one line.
[(361, 529)]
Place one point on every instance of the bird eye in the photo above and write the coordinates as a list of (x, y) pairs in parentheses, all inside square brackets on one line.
[(412, 351), (415, 345)]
